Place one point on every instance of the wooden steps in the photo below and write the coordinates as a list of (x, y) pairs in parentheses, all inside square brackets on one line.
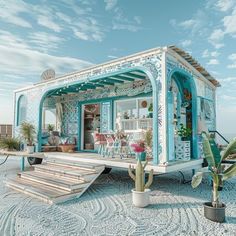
[(54, 182)]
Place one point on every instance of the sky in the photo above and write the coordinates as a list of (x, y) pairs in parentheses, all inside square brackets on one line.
[(68, 35)]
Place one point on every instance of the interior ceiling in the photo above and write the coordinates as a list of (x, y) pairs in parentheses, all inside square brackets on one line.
[(101, 82)]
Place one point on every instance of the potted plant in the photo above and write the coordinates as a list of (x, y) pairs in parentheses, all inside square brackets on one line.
[(185, 133), (150, 110), (139, 149), (50, 128), (215, 210), (10, 144), (140, 195), (28, 133)]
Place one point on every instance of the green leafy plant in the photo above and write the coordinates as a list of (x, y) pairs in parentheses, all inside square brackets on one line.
[(184, 132), (50, 128), (10, 144), (138, 177), (27, 131), (148, 138), (150, 108), (218, 172)]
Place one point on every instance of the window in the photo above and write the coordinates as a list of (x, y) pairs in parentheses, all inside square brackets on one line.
[(134, 114), (22, 106)]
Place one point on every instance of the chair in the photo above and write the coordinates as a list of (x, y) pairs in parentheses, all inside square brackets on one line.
[(111, 145), (100, 140)]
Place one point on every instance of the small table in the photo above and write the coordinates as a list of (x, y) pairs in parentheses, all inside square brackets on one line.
[(23, 155)]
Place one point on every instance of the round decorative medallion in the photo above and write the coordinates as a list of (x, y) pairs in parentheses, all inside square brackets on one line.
[(144, 104)]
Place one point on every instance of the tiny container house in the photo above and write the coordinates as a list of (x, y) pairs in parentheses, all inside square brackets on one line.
[(160, 89)]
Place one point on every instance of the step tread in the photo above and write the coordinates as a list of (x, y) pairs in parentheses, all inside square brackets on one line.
[(74, 163), (38, 188), (64, 169), (51, 179)]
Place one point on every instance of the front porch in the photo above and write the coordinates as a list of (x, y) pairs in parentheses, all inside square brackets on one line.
[(123, 163)]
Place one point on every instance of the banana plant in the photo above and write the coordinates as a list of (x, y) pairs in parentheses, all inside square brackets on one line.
[(218, 172)]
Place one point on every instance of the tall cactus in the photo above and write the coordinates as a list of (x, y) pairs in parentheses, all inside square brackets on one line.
[(139, 176)]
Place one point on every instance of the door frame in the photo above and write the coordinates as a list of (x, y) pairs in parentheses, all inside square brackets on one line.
[(81, 121)]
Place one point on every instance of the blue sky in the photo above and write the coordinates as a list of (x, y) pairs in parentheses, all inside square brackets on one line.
[(68, 35)]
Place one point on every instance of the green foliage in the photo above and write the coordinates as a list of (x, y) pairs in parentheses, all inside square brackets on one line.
[(150, 108), (197, 179), (207, 150), (148, 138), (216, 169), (28, 132), (11, 144), (184, 132), (230, 149), (139, 177), (50, 127)]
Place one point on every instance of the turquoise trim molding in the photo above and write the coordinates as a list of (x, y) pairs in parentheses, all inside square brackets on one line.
[(18, 109), (192, 86)]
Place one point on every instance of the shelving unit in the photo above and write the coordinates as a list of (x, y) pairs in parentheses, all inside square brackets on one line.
[(89, 129), (135, 124)]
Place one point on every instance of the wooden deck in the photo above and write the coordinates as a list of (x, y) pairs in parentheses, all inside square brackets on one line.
[(124, 162)]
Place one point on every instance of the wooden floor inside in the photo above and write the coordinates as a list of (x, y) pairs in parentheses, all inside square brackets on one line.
[(123, 162)]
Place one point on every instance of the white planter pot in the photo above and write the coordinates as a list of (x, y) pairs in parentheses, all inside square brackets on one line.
[(141, 199), (30, 149)]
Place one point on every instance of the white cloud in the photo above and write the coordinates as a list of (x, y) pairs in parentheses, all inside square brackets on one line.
[(186, 43), (188, 24), (232, 56), (123, 26), (206, 53), (230, 23), (44, 41), (112, 57), (225, 5), (48, 22), (232, 66), (215, 54), (229, 79), (110, 4), (22, 60), (88, 29), (216, 37), (213, 62), (197, 25), (12, 12)]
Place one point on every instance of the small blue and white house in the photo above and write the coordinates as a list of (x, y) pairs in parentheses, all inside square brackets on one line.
[(158, 89)]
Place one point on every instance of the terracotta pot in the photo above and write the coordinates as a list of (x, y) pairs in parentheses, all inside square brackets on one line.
[(67, 147)]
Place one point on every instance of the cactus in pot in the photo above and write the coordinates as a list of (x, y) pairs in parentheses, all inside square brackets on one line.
[(140, 194)]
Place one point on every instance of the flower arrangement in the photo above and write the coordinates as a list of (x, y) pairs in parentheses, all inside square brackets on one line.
[(139, 149), (139, 146)]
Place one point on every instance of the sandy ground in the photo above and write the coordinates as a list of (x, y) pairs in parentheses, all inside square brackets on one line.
[(106, 209)]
